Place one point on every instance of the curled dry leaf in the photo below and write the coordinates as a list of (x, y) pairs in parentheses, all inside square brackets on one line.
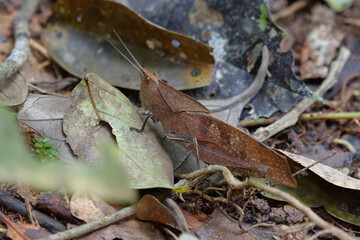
[(77, 43), (325, 172), (146, 162), (13, 91), (322, 185), (151, 209)]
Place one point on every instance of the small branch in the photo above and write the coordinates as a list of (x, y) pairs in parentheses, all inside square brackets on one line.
[(40, 48), (318, 234), (10, 224), (313, 164), (330, 116), (305, 116), (21, 50), (292, 117), (13, 204), (290, 10), (229, 178), (302, 227), (352, 21), (337, 232), (236, 184), (247, 122), (44, 91), (92, 226), (345, 143), (236, 103)]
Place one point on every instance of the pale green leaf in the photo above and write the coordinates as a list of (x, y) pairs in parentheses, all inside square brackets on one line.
[(145, 161)]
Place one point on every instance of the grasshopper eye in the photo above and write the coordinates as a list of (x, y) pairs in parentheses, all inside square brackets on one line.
[(196, 72)]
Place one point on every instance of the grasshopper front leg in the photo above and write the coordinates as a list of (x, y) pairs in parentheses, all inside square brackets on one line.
[(148, 115)]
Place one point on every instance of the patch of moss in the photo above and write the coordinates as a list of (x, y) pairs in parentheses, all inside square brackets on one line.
[(44, 148)]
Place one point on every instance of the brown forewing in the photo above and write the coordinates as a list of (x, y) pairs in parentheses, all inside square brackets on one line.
[(218, 142), (221, 143)]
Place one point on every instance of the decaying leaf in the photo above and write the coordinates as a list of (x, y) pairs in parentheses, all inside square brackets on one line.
[(77, 43), (232, 30), (45, 115), (151, 209), (13, 91), (147, 164), (56, 204), (90, 209), (29, 230), (195, 221), (327, 173)]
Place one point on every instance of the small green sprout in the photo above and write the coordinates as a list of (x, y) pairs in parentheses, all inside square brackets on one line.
[(44, 148)]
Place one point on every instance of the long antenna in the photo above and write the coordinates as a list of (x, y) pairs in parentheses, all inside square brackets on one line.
[(138, 64), (123, 55)]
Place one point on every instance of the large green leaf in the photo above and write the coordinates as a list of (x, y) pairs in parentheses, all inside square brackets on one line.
[(146, 162)]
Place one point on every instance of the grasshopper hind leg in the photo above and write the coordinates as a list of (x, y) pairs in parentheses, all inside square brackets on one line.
[(189, 139)]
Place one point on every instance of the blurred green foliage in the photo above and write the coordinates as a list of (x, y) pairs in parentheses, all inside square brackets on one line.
[(107, 180), (339, 5)]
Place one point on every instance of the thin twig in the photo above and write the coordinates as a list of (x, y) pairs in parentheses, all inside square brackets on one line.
[(236, 184), (44, 91), (40, 48), (92, 226), (313, 164), (9, 224), (302, 227), (344, 85), (330, 116), (292, 117), (262, 224), (352, 21), (305, 117), (7, 200), (318, 234), (346, 144), (21, 50), (236, 103), (290, 10), (247, 122)]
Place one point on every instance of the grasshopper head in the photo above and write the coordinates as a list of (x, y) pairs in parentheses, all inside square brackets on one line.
[(148, 76)]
